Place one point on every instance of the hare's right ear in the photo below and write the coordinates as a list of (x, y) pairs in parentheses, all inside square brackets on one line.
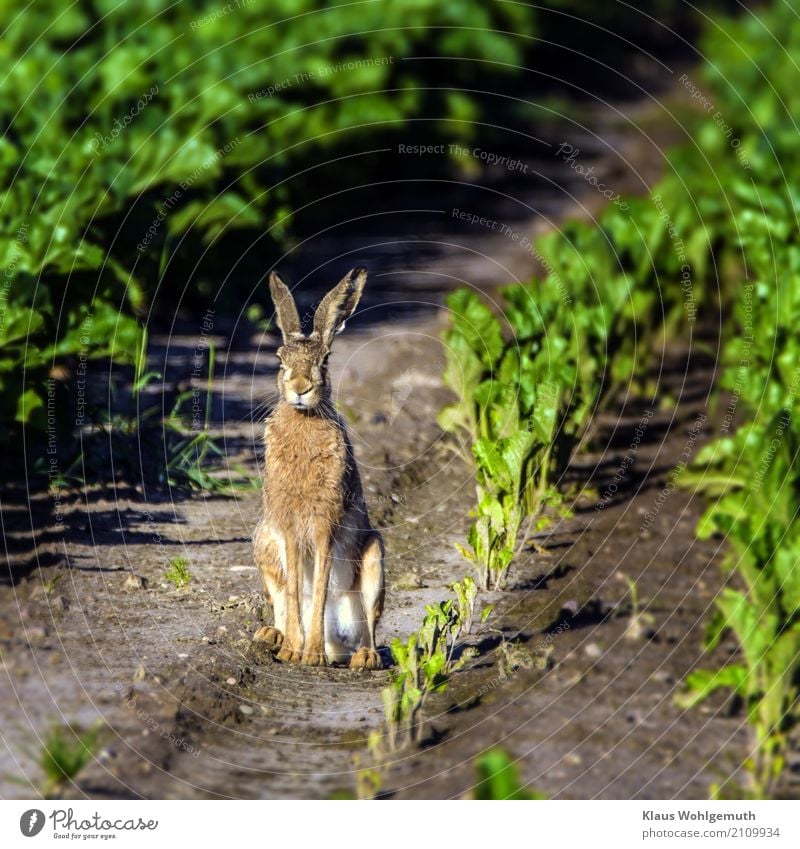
[(285, 308), (339, 304)]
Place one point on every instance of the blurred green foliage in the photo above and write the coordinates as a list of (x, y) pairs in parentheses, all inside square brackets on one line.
[(126, 124)]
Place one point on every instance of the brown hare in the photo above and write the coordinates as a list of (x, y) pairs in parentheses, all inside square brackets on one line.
[(320, 559)]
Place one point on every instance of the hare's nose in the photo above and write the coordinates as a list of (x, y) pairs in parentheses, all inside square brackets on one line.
[(300, 385)]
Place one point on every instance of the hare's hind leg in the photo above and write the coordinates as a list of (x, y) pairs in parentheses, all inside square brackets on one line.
[(270, 555), (371, 588)]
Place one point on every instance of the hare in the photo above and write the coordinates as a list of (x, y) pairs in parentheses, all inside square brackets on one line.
[(320, 560)]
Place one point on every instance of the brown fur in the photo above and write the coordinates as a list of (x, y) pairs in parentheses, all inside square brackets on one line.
[(314, 545)]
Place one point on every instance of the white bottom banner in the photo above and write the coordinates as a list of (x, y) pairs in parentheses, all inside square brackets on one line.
[(338, 824)]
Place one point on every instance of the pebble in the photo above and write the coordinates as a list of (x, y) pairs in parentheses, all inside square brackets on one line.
[(231, 682), (409, 581), (35, 634), (593, 651), (246, 710)]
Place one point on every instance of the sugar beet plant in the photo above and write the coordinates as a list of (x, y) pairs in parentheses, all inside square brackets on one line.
[(424, 664), (753, 478)]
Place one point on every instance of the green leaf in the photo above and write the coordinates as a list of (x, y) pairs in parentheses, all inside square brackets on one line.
[(498, 778), (27, 404), (703, 682)]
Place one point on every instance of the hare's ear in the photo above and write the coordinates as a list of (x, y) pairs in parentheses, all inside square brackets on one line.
[(285, 309), (339, 304)]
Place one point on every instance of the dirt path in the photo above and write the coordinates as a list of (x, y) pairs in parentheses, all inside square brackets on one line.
[(193, 709)]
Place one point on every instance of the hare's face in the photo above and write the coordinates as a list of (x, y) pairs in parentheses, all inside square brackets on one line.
[(303, 376), (303, 380)]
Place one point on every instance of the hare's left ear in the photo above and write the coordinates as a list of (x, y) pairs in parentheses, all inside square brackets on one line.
[(339, 304), (285, 308)]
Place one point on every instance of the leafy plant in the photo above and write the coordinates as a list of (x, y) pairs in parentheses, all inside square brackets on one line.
[(50, 585), (66, 750), (498, 778), (188, 458), (424, 664), (522, 407), (758, 516), (178, 573)]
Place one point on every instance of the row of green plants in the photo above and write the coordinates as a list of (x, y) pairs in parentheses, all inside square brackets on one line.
[(717, 236), (530, 372), (751, 474)]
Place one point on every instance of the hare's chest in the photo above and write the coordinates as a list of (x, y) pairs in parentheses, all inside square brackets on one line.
[(304, 473)]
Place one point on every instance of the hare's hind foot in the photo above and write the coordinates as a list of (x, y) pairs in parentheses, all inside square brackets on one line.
[(271, 636), (366, 658), (313, 658)]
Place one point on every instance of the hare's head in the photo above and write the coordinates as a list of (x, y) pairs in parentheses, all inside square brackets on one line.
[(303, 377)]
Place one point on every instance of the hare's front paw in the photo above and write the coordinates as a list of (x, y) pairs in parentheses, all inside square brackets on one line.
[(313, 657), (366, 658), (289, 654), (269, 635)]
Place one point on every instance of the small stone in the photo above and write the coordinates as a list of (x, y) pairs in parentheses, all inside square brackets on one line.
[(246, 710), (409, 581), (135, 582), (570, 607), (35, 634), (231, 682), (593, 651)]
